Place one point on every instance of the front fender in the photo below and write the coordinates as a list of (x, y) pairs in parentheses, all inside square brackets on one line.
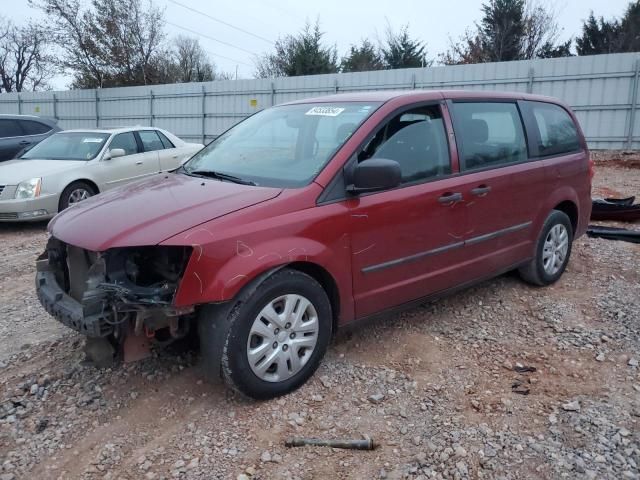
[(216, 273)]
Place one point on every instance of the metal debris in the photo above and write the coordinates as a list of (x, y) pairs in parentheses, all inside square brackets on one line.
[(365, 443)]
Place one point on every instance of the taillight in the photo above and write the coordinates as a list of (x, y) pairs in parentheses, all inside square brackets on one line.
[(592, 172)]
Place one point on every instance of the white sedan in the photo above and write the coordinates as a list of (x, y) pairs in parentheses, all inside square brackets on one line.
[(72, 165)]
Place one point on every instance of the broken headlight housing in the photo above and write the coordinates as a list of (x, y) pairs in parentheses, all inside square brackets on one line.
[(144, 275)]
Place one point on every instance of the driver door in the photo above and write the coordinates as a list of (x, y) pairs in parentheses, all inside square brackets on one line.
[(134, 165), (408, 242)]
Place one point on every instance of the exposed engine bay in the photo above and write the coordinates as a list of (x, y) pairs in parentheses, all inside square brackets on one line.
[(119, 293)]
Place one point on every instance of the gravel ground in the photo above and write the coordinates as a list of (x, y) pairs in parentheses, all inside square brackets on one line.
[(444, 389)]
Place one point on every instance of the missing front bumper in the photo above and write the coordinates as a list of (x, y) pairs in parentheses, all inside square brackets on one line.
[(114, 292), (67, 310)]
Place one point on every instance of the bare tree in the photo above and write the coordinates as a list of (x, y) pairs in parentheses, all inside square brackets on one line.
[(192, 61), (110, 42), (540, 29), (24, 62)]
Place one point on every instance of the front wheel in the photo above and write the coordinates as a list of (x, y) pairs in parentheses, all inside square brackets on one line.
[(552, 251), (74, 193), (274, 341)]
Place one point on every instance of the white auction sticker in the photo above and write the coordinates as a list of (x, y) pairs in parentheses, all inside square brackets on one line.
[(92, 140), (325, 111)]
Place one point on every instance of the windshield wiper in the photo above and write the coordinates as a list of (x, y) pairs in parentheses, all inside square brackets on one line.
[(220, 176)]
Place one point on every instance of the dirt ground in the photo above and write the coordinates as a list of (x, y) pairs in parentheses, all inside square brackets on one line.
[(443, 389)]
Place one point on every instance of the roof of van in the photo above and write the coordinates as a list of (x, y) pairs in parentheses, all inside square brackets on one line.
[(420, 95)]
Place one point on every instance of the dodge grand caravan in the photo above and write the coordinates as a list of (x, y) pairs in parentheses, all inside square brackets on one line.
[(309, 215)]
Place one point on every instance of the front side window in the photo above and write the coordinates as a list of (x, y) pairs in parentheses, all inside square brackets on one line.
[(125, 141), (557, 132), (150, 140), (285, 146), (68, 146), (489, 134), (417, 140), (10, 128)]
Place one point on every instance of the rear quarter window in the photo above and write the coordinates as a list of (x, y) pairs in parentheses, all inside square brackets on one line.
[(31, 127), (10, 128), (555, 133)]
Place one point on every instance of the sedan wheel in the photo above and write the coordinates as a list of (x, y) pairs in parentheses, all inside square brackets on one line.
[(78, 195), (74, 193)]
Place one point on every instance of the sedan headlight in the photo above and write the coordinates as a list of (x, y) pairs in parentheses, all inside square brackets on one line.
[(29, 188)]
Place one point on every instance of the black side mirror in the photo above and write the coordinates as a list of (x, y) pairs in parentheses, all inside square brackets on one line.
[(373, 175)]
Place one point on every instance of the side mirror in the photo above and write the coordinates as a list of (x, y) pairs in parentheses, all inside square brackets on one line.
[(373, 175), (115, 153)]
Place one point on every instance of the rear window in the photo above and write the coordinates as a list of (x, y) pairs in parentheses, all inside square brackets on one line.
[(32, 127), (557, 134), (489, 134), (10, 128)]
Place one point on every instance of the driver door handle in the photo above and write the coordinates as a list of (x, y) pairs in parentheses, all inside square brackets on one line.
[(139, 162)]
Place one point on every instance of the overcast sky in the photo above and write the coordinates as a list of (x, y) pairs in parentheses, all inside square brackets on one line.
[(344, 22)]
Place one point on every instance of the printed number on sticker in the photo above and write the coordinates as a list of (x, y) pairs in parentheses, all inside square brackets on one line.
[(325, 111)]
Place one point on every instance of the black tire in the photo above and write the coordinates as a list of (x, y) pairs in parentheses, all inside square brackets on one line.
[(224, 334), (534, 271), (65, 198)]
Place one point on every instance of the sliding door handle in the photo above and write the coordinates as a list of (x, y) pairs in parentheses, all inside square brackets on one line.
[(450, 198), (481, 190)]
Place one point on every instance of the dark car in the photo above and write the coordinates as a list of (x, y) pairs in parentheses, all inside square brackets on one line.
[(18, 133), (310, 215)]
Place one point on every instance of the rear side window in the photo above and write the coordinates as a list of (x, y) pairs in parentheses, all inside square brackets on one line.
[(416, 139), (125, 141), (150, 140), (557, 134), (165, 141), (489, 134), (31, 127), (10, 128)]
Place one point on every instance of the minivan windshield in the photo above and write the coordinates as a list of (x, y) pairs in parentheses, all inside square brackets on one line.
[(68, 146), (284, 146)]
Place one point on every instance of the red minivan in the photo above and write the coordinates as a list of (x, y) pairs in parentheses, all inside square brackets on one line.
[(309, 215)]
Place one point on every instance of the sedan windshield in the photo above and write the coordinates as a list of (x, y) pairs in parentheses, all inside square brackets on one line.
[(68, 146), (284, 146)]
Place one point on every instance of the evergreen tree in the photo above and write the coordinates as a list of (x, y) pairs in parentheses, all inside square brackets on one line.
[(302, 54), (362, 58), (401, 51)]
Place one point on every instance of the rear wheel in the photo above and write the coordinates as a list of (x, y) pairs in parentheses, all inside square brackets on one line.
[(74, 193), (272, 342), (552, 251)]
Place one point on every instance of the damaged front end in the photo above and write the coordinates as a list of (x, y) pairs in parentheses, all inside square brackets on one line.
[(116, 294)]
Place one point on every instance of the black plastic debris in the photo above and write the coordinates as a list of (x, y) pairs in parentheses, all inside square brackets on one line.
[(521, 386), (614, 233), (622, 209), (524, 369)]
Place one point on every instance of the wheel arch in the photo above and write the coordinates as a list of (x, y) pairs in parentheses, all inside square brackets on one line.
[(326, 281), (571, 210)]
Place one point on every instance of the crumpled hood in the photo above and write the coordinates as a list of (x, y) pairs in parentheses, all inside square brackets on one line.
[(13, 172), (152, 210)]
